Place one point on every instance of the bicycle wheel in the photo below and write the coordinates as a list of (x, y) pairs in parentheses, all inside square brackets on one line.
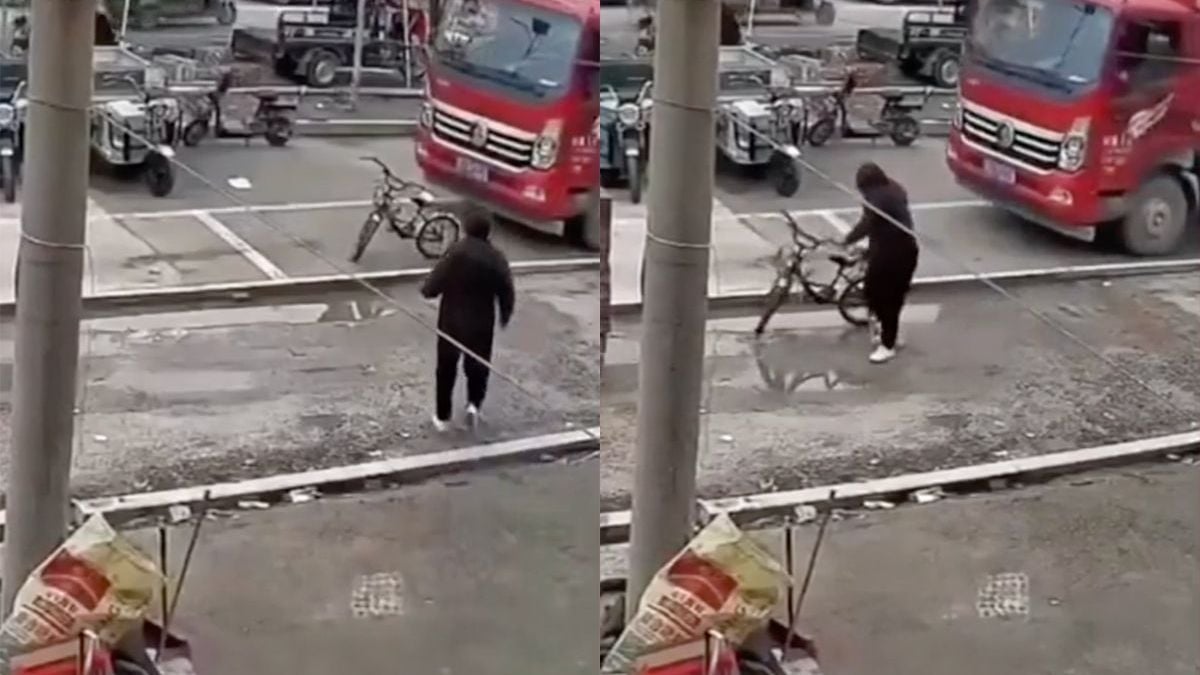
[(366, 234), (853, 304), (774, 300), (437, 234), (818, 292)]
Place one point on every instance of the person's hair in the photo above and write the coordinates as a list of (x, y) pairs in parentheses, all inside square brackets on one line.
[(477, 222), (869, 176)]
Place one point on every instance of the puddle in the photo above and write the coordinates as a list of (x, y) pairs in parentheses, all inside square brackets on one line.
[(350, 311), (784, 368)]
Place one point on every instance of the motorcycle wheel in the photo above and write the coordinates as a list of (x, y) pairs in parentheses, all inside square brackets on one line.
[(852, 305), (10, 180), (784, 176), (365, 234), (437, 234), (195, 132), (774, 300), (635, 182), (159, 175), (905, 131), (279, 132), (820, 133)]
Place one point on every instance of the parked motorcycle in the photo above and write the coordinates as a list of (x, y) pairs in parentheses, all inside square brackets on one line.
[(897, 119), (633, 133), (12, 135), (272, 118)]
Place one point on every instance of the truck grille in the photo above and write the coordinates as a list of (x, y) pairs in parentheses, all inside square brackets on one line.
[(506, 149), (1036, 151)]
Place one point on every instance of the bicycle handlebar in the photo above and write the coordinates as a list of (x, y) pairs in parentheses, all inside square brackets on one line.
[(800, 236), (391, 178)]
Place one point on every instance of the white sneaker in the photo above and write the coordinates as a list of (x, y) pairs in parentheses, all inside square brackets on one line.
[(472, 415), (438, 424), (882, 354)]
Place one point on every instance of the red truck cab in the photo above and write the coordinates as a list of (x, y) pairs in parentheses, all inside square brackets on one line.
[(1084, 116), (511, 110)]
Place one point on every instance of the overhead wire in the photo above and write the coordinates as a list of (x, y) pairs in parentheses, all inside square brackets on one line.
[(339, 269)]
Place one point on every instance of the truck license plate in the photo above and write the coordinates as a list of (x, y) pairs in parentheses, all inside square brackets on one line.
[(1001, 172), (474, 170)]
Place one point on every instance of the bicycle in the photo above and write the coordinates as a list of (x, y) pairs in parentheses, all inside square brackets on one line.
[(847, 288), (409, 217)]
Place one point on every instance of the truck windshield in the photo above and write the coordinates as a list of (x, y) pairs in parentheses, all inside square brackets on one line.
[(510, 46), (1058, 43)]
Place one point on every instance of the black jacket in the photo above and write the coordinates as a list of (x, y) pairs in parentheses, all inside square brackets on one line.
[(471, 279), (886, 244)]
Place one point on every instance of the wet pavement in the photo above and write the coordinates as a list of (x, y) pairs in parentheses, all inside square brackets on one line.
[(184, 397), (979, 380), (485, 572), (959, 233), (312, 194), (1092, 574)]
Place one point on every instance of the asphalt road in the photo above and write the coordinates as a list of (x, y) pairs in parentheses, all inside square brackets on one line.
[(484, 572), (1107, 561), (980, 378), (959, 233), (314, 193), (189, 396)]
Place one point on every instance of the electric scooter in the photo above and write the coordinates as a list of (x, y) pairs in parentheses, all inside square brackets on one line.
[(897, 118), (272, 118)]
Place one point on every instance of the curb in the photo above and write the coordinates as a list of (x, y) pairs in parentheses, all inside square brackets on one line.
[(339, 480), (355, 128), (614, 525), (237, 293), (1067, 273)]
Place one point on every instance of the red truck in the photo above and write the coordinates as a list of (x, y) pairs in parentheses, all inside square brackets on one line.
[(511, 111), (1084, 116)]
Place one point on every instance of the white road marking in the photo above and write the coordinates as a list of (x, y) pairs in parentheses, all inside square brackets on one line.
[(801, 213), (836, 221), (240, 245), (223, 210)]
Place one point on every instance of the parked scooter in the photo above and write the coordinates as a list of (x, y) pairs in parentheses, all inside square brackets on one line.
[(272, 118), (897, 118), (12, 135), (633, 129)]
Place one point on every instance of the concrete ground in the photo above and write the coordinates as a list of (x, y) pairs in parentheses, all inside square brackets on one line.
[(980, 379), (1108, 560), (178, 397), (314, 193), (958, 232), (484, 572)]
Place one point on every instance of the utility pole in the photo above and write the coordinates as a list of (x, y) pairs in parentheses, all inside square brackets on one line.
[(50, 265), (360, 19), (675, 304)]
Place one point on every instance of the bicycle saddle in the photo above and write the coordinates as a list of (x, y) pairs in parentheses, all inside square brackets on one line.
[(423, 199)]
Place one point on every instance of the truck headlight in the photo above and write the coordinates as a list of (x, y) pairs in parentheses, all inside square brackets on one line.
[(628, 114), (1073, 152), (545, 148), (426, 118), (7, 114), (957, 118)]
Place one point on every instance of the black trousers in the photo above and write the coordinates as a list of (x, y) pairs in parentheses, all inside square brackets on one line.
[(476, 373), (887, 286)]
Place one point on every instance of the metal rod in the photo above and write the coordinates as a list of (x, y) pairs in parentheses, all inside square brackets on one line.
[(50, 268), (187, 561), (163, 562), (408, 45), (676, 258), (808, 573)]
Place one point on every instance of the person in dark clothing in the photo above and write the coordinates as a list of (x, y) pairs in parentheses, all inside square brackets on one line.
[(471, 280), (731, 28), (891, 255)]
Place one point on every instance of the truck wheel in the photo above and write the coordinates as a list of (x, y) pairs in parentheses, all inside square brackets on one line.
[(322, 69), (584, 230), (227, 14), (1157, 218), (945, 69), (826, 14), (159, 175)]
